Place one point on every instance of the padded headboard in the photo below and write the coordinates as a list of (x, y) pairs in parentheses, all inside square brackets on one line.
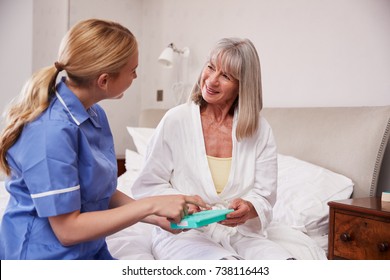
[(151, 117), (348, 140)]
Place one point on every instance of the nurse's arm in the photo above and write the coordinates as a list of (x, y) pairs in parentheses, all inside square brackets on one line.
[(119, 199), (75, 227)]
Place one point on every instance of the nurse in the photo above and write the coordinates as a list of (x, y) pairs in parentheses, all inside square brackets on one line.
[(58, 152)]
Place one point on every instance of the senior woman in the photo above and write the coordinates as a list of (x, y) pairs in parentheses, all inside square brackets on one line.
[(218, 146)]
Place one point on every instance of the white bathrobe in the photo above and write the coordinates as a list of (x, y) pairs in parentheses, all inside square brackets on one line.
[(176, 163)]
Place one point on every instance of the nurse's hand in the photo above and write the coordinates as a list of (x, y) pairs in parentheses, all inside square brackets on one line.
[(166, 225), (192, 208), (243, 211), (174, 207)]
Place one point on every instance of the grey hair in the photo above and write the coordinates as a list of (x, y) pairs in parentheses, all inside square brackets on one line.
[(239, 58)]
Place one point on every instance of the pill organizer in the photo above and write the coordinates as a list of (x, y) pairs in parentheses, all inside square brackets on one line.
[(203, 218)]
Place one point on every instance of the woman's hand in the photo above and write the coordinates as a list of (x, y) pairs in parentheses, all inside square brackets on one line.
[(243, 211)]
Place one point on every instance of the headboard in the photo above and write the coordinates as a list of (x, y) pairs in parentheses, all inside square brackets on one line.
[(348, 140)]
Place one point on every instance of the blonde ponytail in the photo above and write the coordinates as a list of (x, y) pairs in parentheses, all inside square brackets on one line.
[(31, 102)]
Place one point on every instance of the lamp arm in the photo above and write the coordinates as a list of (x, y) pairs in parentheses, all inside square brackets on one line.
[(182, 52)]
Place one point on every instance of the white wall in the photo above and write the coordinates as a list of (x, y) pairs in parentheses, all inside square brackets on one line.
[(313, 52), (30, 32), (16, 20), (50, 23)]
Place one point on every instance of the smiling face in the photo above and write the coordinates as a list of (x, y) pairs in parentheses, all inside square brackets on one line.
[(218, 86)]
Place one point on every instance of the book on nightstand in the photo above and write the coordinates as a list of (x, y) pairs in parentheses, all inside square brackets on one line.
[(386, 196), (385, 201)]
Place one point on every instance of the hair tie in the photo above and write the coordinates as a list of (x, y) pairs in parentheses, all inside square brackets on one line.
[(58, 66)]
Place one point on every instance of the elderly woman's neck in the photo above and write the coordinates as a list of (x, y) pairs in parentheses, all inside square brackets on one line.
[(217, 113)]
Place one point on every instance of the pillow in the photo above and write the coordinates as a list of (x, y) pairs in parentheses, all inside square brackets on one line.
[(141, 137), (133, 160), (304, 189)]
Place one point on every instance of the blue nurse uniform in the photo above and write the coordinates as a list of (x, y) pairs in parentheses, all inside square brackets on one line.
[(62, 162)]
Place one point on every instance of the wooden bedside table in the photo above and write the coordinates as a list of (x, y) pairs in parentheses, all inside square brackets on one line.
[(121, 162), (359, 229)]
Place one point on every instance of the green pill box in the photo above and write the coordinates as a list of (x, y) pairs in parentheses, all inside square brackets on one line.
[(203, 218)]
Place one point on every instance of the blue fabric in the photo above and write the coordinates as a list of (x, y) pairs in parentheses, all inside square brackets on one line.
[(63, 161)]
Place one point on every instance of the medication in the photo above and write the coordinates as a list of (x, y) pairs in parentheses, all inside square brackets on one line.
[(203, 218)]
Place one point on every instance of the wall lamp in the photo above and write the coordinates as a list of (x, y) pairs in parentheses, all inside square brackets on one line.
[(166, 57)]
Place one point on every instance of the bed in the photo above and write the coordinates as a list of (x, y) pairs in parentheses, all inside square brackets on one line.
[(324, 154)]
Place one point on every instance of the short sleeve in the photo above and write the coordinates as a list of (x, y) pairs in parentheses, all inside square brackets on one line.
[(49, 166)]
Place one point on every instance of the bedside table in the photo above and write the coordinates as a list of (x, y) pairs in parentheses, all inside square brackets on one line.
[(121, 162), (359, 229)]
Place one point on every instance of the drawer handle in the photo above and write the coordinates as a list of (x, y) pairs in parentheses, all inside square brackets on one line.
[(383, 247), (345, 237)]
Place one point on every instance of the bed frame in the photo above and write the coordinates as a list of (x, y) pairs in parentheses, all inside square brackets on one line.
[(353, 141)]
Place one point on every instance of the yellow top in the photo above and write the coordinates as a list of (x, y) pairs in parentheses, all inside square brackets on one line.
[(220, 170)]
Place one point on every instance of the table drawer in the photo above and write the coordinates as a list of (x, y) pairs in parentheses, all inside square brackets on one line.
[(361, 238)]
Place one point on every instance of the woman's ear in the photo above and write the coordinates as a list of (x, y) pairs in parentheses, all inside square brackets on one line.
[(102, 81)]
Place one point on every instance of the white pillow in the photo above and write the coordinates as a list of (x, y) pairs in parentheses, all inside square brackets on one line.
[(133, 160), (141, 137), (304, 189)]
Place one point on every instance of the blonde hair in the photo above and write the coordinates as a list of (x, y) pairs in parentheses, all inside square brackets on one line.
[(239, 58), (89, 48)]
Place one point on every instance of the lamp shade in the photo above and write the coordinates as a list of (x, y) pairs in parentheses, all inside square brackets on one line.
[(166, 57)]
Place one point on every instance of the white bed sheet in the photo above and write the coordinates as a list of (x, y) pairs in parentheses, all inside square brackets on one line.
[(135, 241), (132, 243)]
